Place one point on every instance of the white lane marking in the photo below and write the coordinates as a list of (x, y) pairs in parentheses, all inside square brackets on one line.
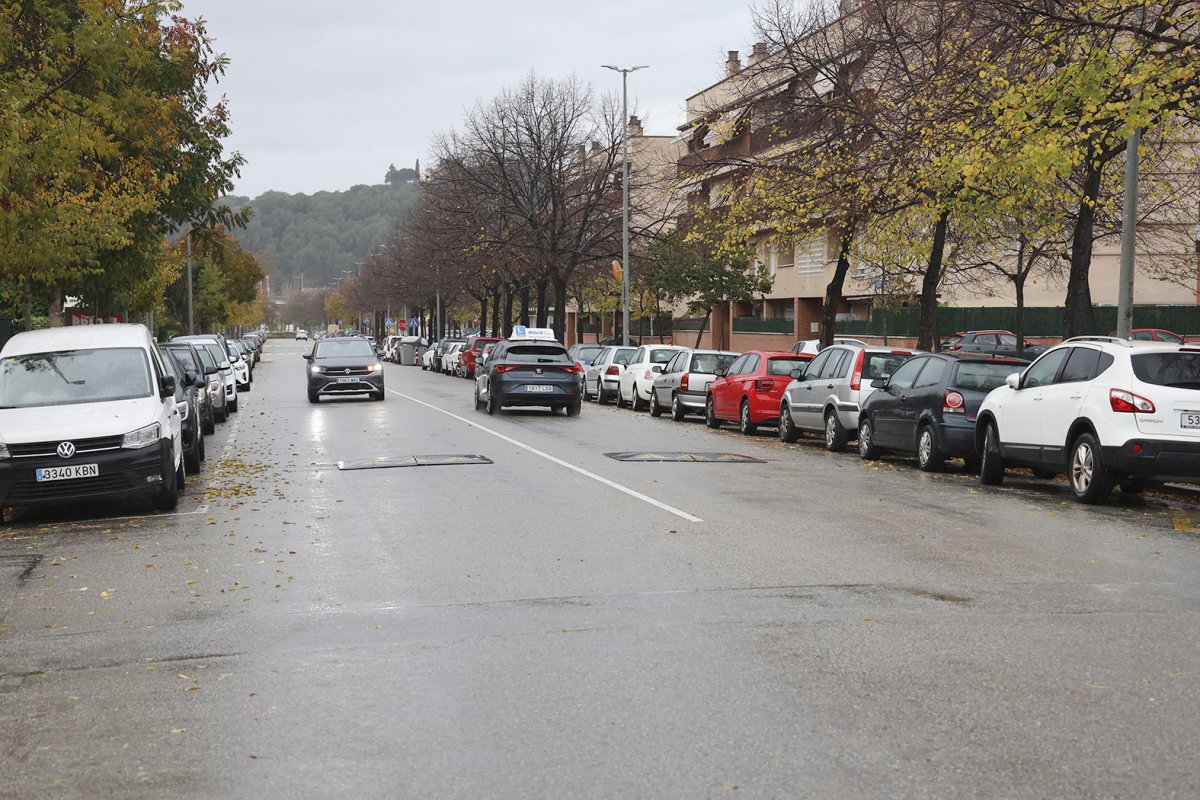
[(555, 460)]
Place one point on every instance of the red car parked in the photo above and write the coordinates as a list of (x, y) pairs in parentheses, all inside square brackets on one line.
[(749, 391), (471, 352)]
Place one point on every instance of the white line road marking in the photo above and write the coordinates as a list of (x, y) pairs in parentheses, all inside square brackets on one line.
[(555, 460)]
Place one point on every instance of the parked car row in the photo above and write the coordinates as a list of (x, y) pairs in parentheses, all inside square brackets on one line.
[(1105, 412), (101, 412)]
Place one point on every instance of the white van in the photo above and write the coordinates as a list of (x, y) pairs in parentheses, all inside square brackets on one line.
[(87, 413)]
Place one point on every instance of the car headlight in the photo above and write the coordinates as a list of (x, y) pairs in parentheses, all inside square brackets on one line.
[(214, 384), (4, 451), (143, 437), (377, 367), (182, 408), (315, 370)]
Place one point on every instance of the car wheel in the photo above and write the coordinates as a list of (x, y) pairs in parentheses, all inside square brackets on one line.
[(233, 404), (867, 450), (601, 396), (203, 455), (677, 410), (378, 396), (209, 424), (192, 460), (220, 416), (991, 468), (574, 408), (493, 405), (1090, 480), (788, 432), (710, 413), (655, 409), (478, 401), (635, 401), (587, 394), (929, 453), (620, 397), (313, 397), (745, 424), (835, 433), (167, 498)]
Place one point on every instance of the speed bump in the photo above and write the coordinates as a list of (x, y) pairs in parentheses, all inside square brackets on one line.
[(689, 458), (391, 462)]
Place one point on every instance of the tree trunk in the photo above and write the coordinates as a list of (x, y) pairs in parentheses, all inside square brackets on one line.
[(483, 312), (1081, 317), (28, 276), (1019, 288), (542, 308), (507, 327), (579, 319), (703, 325), (56, 309), (524, 294), (833, 292), (496, 313), (560, 307), (927, 330)]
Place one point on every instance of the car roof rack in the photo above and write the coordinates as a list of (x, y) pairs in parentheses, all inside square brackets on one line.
[(1109, 339)]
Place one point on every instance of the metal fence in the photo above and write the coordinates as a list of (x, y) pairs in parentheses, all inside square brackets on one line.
[(1039, 321)]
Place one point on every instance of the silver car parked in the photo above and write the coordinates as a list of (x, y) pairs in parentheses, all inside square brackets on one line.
[(681, 385), (602, 377), (826, 398)]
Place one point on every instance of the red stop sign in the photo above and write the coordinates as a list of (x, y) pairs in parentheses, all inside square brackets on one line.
[(402, 324)]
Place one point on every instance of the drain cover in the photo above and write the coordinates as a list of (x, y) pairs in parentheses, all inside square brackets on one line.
[(694, 458), (412, 461)]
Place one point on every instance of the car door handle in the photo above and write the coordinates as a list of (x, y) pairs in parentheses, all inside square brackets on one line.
[(1076, 396)]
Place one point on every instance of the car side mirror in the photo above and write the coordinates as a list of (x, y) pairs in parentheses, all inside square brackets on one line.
[(656, 367), (166, 386), (211, 370), (1013, 381), (721, 372), (192, 379), (306, 356), (797, 374), (224, 365)]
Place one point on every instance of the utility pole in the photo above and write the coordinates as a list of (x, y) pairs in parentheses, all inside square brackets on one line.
[(1129, 223), (191, 311), (624, 198)]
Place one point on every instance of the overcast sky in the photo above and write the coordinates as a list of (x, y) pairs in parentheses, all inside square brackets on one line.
[(324, 95)]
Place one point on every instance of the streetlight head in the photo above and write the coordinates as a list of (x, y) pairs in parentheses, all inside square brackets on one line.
[(610, 66), (643, 66)]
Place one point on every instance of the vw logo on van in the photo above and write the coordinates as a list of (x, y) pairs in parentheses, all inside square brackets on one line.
[(66, 450), (347, 370)]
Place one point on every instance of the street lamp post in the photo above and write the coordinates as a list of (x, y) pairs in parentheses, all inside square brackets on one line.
[(624, 197)]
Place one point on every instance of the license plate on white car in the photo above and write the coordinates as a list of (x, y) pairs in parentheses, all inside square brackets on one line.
[(67, 473), (347, 380), (535, 387), (1189, 419)]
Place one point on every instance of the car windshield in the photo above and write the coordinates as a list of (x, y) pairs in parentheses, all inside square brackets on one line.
[(588, 354), (535, 353), (1007, 340), (709, 363), (185, 358), (784, 366), (877, 366), (983, 376), (74, 376), (623, 355), (343, 348), (661, 356), (206, 357), (1181, 369)]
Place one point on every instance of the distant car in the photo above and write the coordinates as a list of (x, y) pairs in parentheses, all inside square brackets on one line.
[(440, 350), (199, 363), (602, 377), (994, 343), (301, 335), (450, 358), (929, 405), (611, 341), (344, 366), (471, 352), (683, 384), (528, 373), (827, 397), (639, 374), (1153, 335), (428, 357), (750, 390), (813, 346), (215, 344)]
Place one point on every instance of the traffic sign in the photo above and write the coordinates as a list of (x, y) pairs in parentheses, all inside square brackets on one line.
[(389, 321), (403, 325)]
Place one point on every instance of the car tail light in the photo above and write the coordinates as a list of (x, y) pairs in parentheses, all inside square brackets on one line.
[(649, 375), (683, 382), (574, 369), (613, 370), (955, 347), (953, 403), (856, 378), (505, 368), (764, 385), (1124, 402)]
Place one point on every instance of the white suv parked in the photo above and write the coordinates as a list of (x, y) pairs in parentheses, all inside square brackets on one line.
[(644, 366), (88, 413), (1105, 411)]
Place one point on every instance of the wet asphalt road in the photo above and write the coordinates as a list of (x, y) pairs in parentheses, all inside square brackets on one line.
[(557, 624)]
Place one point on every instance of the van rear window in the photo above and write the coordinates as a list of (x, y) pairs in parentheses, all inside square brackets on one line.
[(1181, 369), (69, 377)]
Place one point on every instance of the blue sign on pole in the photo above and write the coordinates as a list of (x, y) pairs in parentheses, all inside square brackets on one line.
[(388, 322), (413, 323)]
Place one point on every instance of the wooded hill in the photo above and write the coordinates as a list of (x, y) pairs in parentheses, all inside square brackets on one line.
[(320, 235)]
